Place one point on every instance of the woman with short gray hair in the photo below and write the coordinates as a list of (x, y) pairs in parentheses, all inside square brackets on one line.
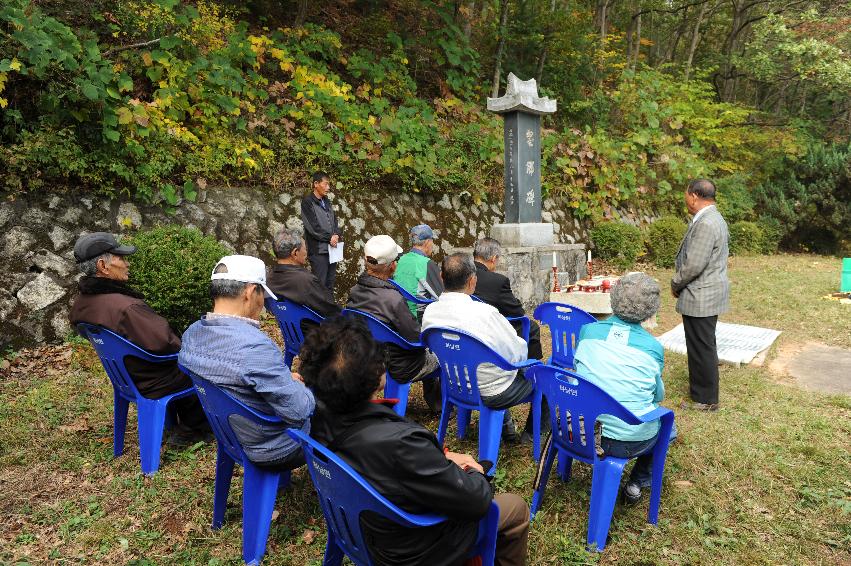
[(623, 359)]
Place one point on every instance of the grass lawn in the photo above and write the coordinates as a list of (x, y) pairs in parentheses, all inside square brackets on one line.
[(766, 480)]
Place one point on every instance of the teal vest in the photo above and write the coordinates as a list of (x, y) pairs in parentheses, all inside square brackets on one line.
[(411, 269)]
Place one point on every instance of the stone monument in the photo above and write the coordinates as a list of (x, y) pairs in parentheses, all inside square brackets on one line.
[(522, 109), (529, 251)]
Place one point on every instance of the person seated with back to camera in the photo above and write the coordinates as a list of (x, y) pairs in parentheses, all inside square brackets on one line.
[(373, 294), (626, 361), (290, 279), (227, 348), (343, 365), (455, 309)]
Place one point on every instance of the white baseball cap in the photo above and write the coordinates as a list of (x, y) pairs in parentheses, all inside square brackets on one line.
[(243, 268), (382, 249)]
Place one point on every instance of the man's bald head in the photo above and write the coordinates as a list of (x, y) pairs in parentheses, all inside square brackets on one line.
[(456, 271)]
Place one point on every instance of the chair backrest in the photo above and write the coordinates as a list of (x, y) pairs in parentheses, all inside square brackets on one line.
[(289, 316), (344, 495), (575, 404), (408, 296), (381, 331), (564, 321), (112, 349), (219, 407), (460, 356)]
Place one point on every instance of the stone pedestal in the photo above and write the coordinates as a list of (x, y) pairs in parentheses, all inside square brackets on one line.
[(530, 269), (522, 235), (594, 303)]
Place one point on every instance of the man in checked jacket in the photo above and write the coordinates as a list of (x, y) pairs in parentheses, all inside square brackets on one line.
[(702, 290)]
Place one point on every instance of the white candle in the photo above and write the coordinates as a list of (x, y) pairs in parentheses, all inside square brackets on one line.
[(589, 256), (554, 260)]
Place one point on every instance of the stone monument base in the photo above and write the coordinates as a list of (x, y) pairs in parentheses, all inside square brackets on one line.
[(530, 268), (525, 234)]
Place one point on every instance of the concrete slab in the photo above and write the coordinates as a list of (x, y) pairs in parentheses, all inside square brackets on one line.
[(817, 367)]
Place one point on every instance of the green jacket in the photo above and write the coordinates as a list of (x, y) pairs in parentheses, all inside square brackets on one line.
[(419, 276)]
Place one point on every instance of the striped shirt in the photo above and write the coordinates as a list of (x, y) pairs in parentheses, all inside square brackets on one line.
[(242, 360), (626, 362)]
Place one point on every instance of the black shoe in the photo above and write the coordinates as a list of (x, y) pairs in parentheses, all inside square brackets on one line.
[(631, 493), (509, 433)]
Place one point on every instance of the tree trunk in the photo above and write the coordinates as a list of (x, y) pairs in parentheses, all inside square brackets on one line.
[(600, 15), (637, 42), (301, 15), (695, 39), (497, 68)]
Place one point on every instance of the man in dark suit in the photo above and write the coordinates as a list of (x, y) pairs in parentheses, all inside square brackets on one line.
[(495, 289), (321, 229), (702, 290)]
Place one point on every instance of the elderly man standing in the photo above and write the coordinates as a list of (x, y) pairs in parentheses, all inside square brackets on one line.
[(290, 279), (418, 274), (374, 295), (228, 348), (626, 361), (455, 309), (322, 229), (702, 290), (495, 289), (107, 300)]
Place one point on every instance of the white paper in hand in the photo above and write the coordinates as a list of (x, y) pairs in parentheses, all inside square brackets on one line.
[(335, 254)]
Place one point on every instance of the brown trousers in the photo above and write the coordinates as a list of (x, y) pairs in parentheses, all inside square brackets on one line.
[(513, 532)]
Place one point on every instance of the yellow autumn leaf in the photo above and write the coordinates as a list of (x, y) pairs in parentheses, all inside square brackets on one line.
[(15, 65), (3, 103), (147, 59)]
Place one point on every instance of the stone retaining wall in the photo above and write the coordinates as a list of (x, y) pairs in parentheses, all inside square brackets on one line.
[(37, 236)]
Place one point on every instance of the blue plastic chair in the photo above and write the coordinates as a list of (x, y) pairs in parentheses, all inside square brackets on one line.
[(289, 316), (154, 415), (564, 321), (525, 323), (408, 296), (575, 405), (386, 335), (259, 486), (460, 356), (344, 495)]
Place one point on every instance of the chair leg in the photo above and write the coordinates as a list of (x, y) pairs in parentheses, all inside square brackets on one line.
[(464, 421), (224, 473), (395, 390), (605, 483), (259, 490), (333, 553), (536, 408), (565, 466), (660, 453), (121, 405), (288, 359), (445, 415), (151, 423), (538, 495), (490, 434)]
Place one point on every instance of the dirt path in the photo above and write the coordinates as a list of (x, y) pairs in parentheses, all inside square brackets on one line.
[(815, 367)]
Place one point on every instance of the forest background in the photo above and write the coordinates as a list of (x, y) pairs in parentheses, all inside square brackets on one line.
[(156, 99)]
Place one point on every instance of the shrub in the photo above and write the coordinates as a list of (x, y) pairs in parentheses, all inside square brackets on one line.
[(617, 243), (772, 233), (663, 240), (746, 238), (172, 268), (735, 201)]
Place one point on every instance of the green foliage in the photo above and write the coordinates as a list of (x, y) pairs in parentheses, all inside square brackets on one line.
[(735, 200), (746, 238), (811, 199), (172, 269), (617, 243), (663, 240), (772, 234)]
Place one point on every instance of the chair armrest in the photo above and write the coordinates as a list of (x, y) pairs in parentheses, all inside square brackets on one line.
[(658, 413), (526, 364)]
